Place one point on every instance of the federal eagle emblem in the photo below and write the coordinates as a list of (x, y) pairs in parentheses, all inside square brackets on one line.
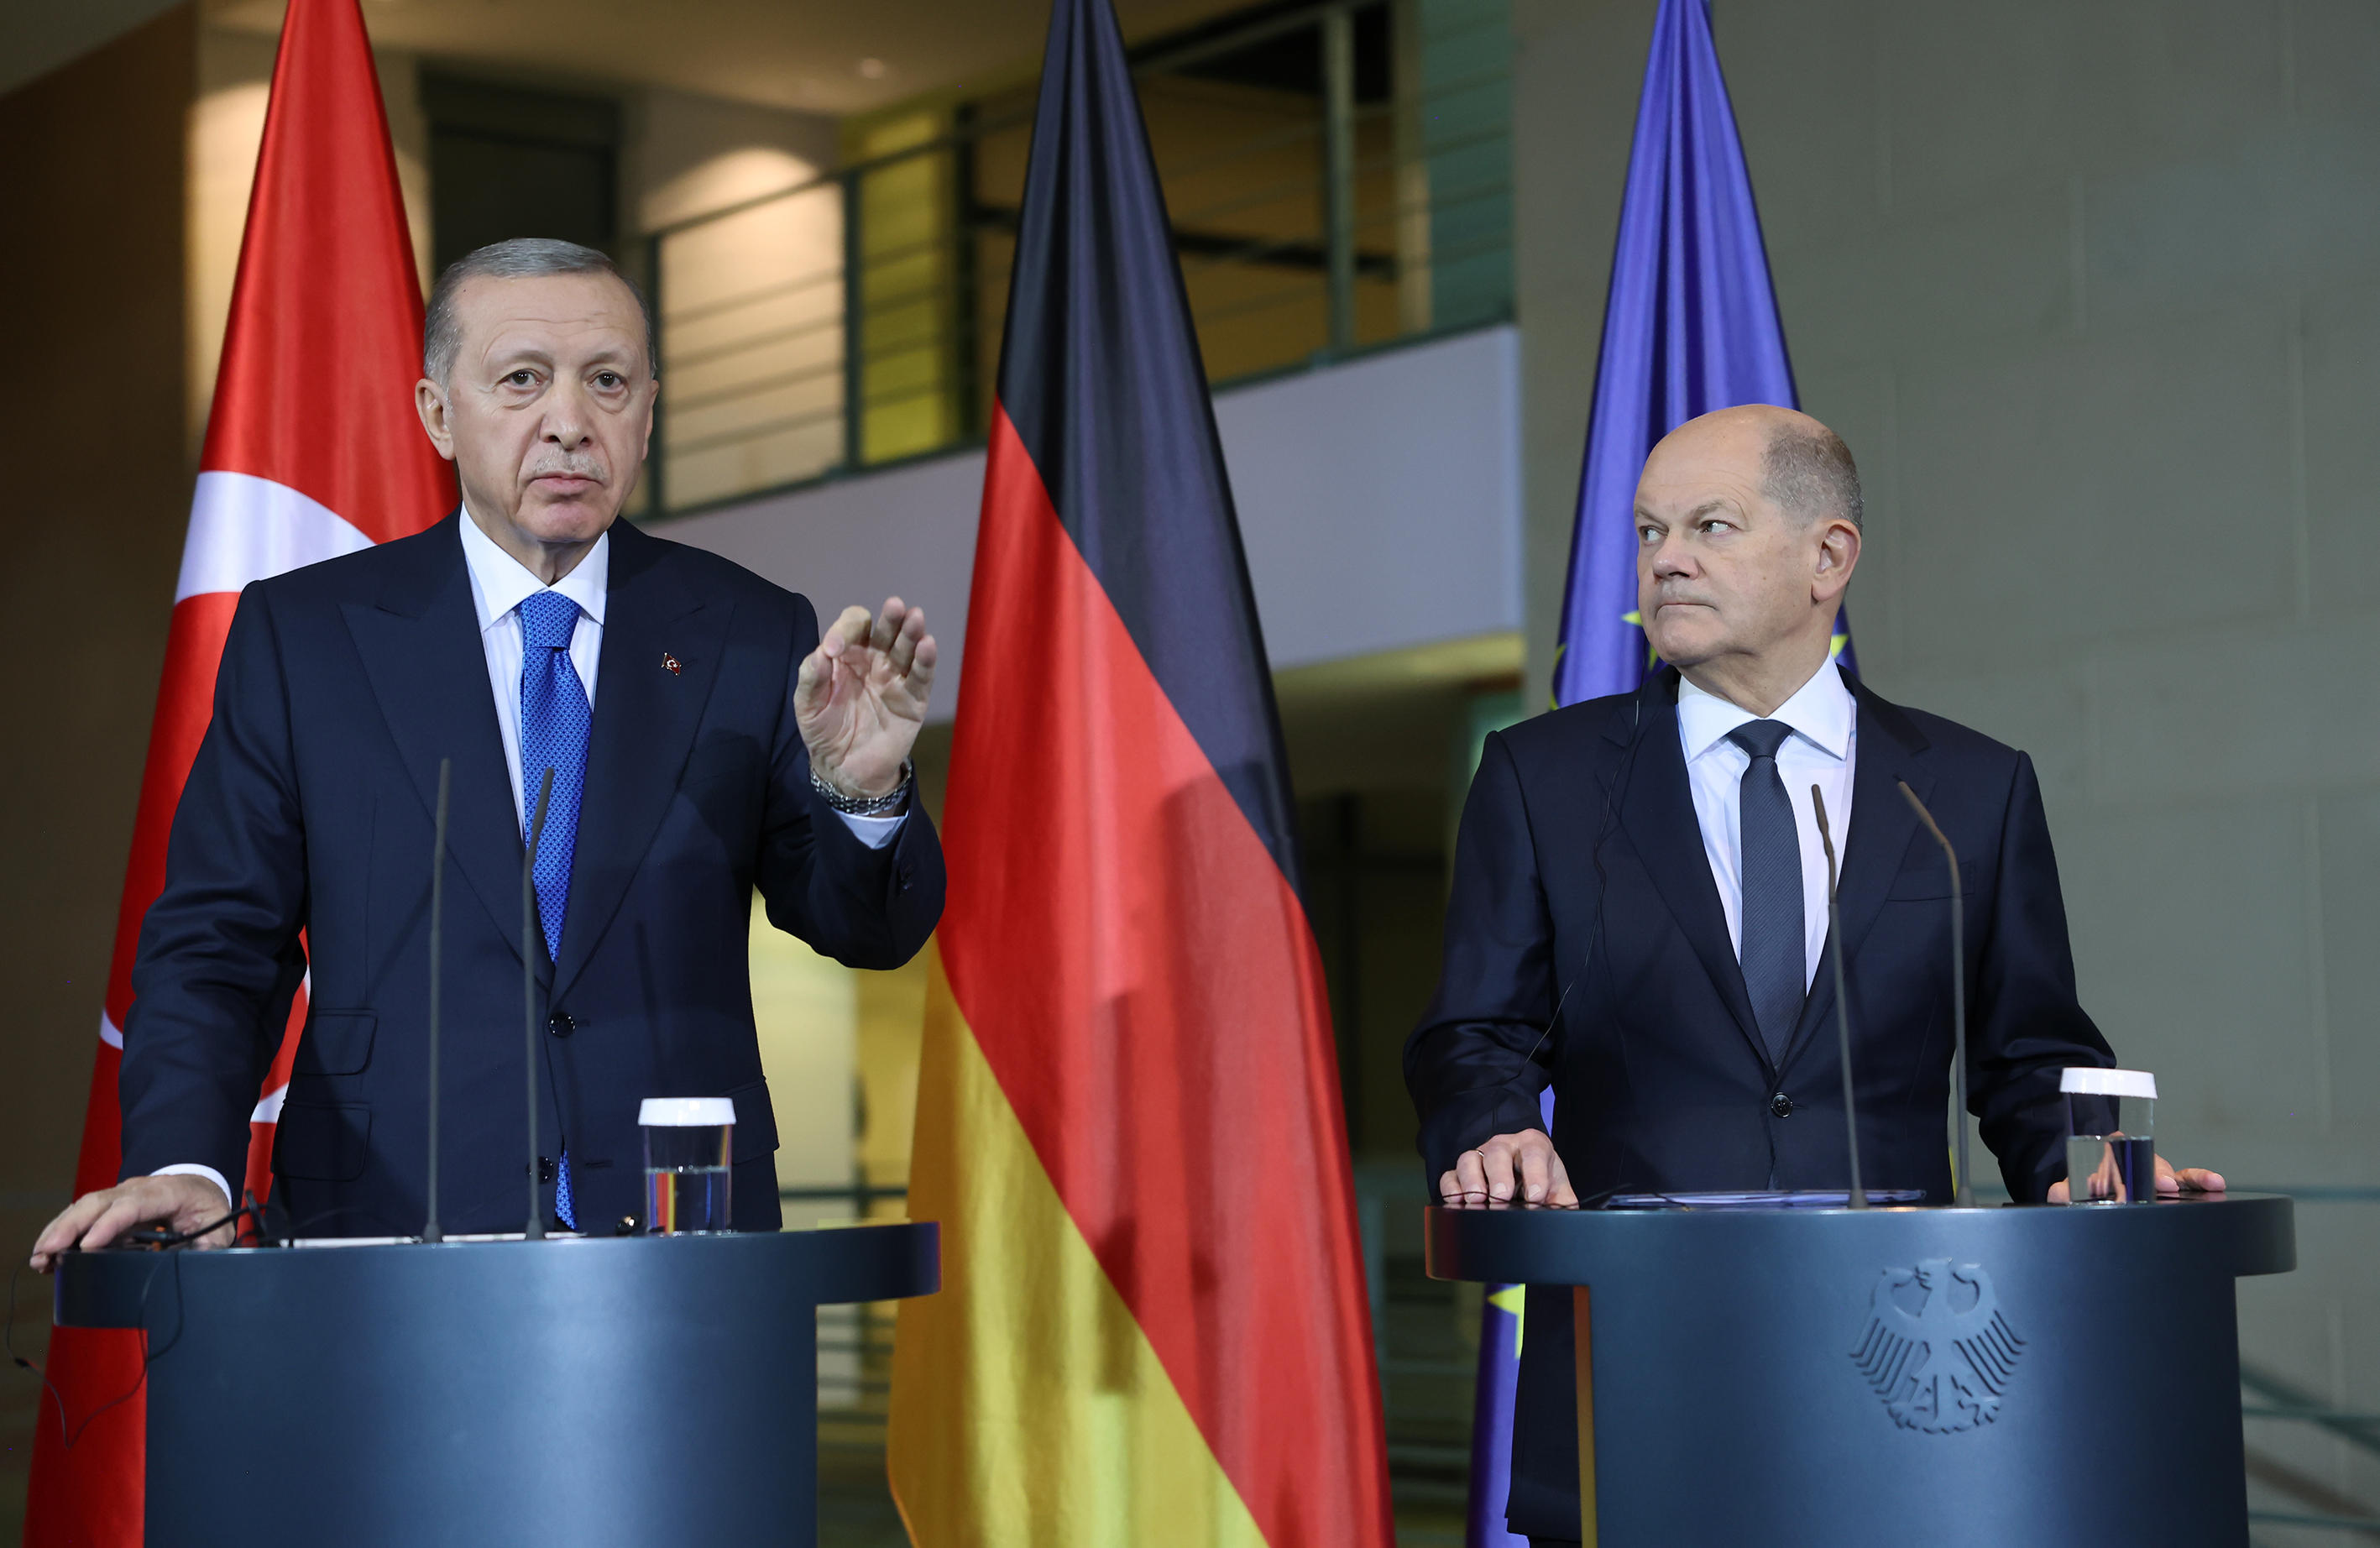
[(1936, 1347)]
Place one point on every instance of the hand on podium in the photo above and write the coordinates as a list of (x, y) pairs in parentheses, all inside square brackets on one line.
[(2171, 1183), (179, 1203), (1523, 1164)]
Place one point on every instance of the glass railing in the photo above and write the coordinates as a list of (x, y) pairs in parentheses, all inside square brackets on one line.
[(1337, 177)]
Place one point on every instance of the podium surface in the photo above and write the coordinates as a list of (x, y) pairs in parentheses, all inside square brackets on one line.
[(628, 1390), (2042, 1374)]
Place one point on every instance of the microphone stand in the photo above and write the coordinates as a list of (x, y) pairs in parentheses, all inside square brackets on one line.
[(1966, 1196), (429, 1231), (1842, 1000), (532, 946)]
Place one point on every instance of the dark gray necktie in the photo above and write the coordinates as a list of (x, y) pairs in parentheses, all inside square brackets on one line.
[(1776, 969)]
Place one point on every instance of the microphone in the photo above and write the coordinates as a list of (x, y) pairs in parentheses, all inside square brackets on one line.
[(532, 943), (1842, 999), (429, 1231), (1966, 1196)]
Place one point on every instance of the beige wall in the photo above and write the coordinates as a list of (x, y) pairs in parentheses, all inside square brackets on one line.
[(685, 155), (2093, 293), (92, 512), (235, 80), (689, 155)]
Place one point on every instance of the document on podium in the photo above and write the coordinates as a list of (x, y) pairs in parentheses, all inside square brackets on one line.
[(1785, 1198)]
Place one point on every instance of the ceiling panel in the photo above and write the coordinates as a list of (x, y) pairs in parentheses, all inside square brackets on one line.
[(835, 57)]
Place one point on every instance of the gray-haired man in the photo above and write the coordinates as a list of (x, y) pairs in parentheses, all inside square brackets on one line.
[(703, 741)]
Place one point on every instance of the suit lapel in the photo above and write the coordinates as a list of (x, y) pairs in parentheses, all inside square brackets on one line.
[(1658, 818), (419, 643), (646, 716), (1881, 829)]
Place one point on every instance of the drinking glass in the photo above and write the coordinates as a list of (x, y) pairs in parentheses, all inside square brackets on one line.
[(2110, 1136), (689, 1146)]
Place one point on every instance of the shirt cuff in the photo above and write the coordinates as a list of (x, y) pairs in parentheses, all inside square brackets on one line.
[(191, 1169), (875, 832)]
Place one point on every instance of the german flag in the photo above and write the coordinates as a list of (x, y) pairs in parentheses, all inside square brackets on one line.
[(1153, 1328)]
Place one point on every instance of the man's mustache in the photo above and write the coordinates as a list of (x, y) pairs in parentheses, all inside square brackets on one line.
[(569, 467)]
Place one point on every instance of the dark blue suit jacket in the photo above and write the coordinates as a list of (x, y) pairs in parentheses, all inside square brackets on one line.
[(1581, 881), (303, 843)]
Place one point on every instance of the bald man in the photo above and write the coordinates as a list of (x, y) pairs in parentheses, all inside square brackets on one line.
[(1639, 912)]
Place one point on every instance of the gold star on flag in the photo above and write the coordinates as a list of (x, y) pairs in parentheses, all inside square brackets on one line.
[(1511, 1298)]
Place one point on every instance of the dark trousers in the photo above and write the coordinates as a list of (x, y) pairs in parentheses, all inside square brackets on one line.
[(1553, 1543)]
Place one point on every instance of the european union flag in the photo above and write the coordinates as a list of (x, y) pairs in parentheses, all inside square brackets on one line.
[(1690, 325)]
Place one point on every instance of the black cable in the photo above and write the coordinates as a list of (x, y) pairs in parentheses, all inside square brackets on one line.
[(1483, 1199), (150, 1240), (25, 1363), (148, 1355), (152, 1237)]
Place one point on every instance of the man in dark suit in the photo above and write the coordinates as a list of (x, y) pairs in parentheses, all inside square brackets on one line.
[(701, 741), (1639, 912)]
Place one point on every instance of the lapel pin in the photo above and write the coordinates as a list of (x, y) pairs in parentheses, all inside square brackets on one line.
[(670, 661)]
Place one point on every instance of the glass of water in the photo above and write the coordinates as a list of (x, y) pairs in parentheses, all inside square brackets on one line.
[(2110, 1136), (688, 1151)]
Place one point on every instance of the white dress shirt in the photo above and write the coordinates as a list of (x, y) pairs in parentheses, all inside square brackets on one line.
[(1825, 719), (499, 585)]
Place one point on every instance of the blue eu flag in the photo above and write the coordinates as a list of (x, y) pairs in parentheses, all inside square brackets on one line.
[(1689, 326)]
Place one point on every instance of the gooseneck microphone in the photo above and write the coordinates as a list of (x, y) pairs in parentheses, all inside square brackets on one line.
[(1843, 998), (429, 1231), (1966, 1196), (532, 943)]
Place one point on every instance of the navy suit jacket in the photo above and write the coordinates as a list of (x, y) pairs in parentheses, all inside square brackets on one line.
[(303, 844), (1581, 883)]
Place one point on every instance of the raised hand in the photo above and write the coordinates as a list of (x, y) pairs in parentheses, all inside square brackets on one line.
[(860, 700)]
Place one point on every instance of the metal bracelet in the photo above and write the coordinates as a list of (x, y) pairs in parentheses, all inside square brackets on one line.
[(866, 805)]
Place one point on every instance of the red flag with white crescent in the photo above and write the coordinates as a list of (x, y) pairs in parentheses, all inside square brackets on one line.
[(313, 451)]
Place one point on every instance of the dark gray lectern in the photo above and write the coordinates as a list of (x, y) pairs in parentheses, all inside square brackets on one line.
[(2035, 1375), (636, 1390)]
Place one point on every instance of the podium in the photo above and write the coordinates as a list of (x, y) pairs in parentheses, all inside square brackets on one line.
[(2037, 1374), (631, 1390)]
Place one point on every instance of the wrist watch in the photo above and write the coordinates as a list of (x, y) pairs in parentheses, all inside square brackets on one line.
[(866, 805)]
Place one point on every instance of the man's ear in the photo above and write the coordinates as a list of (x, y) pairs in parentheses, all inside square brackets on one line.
[(1838, 556), (430, 401)]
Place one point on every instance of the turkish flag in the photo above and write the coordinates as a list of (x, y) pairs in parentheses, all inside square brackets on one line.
[(313, 451)]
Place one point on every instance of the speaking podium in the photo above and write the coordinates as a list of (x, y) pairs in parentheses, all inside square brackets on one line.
[(2035, 1374), (632, 1390)]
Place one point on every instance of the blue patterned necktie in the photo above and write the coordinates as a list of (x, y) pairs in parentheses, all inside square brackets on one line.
[(555, 719), (1775, 960)]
